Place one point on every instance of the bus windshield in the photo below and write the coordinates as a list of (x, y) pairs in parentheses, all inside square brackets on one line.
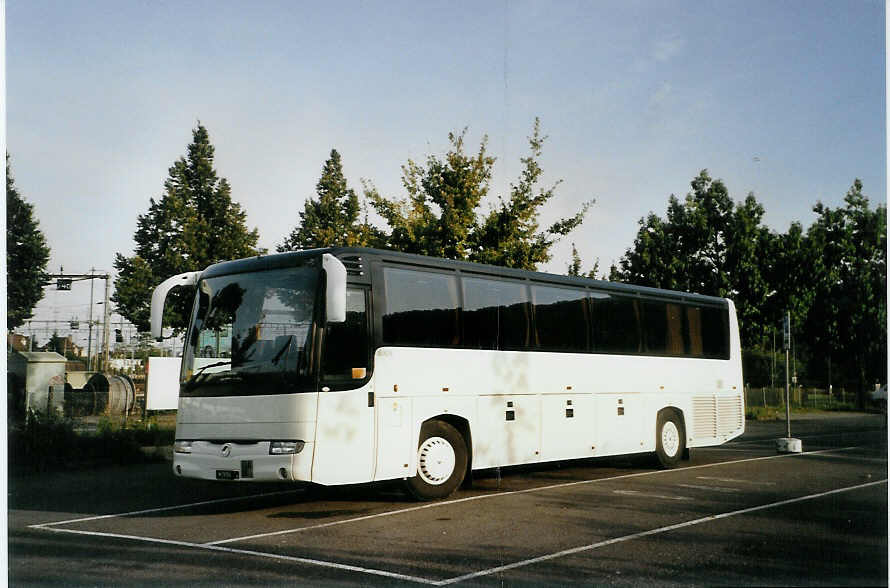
[(251, 334)]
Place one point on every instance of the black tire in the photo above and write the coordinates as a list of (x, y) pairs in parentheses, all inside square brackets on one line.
[(441, 462), (670, 439)]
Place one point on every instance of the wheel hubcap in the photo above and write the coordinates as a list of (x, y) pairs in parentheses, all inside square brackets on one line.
[(435, 460), (670, 439)]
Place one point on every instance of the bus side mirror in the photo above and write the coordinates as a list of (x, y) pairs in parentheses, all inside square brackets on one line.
[(335, 291), (160, 295)]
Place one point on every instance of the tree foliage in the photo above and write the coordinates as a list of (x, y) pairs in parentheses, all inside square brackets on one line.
[(847, 274), (194, 224), (708, 245), (26, 256), (332, 219), (832, 278), (440, 216)]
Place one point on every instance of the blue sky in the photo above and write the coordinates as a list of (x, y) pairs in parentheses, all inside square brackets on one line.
[(785, 99)]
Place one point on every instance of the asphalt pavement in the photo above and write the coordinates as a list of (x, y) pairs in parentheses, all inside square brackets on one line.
[(737, 514)]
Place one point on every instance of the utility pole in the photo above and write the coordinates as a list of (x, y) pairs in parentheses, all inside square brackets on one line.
[(63, 282), (90, 335), (107, 320)]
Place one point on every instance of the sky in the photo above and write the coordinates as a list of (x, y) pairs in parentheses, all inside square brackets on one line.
[(782, 99)]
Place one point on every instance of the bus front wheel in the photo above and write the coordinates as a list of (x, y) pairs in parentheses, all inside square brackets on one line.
[(441, 461), (670, 439)]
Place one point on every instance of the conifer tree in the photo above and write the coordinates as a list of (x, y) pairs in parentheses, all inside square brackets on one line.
[(332, 219), (26, 256), (194, 224)]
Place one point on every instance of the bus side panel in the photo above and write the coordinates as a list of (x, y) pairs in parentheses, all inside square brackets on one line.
[(344, 441), (621, 422), (395, 445), (568, 426), (509, 430)]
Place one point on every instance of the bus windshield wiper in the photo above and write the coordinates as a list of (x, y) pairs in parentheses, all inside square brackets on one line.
[(200, 372)]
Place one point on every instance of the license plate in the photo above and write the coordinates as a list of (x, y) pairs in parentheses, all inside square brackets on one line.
[(227, 474)]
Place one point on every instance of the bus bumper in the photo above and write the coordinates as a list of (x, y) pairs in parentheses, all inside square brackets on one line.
[(242, 462)]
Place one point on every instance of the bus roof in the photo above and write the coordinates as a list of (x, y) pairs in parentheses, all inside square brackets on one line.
[(293, 258)]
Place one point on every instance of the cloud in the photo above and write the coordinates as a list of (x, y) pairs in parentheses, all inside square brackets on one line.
[(666, 49), (660, 95)]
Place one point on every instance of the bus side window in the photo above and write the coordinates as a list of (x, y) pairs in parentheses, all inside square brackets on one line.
[(616, 324), (346, 344)]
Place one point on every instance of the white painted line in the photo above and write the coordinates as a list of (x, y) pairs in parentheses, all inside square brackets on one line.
[(383, 573), (708, 488), (642, 534), (505, 493), (160, 509), (858, 458), (734, 481), (302, 560), (637, 494)]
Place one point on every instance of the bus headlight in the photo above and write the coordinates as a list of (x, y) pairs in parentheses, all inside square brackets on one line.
[(180, 446), (285, 447)]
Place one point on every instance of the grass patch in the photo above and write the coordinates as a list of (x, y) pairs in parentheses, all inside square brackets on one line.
[(48, 442)]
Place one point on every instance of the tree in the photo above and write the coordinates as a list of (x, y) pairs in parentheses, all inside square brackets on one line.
[(574, 268), (847, 266), (26, 256), (332, 219), (708, 245), (440, 216), (195, 223), (509, 234)]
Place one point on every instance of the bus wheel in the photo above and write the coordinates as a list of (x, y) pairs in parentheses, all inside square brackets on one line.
[(670, 439), (441, 461)]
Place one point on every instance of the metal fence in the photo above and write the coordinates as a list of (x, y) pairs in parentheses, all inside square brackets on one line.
[(801, 397)]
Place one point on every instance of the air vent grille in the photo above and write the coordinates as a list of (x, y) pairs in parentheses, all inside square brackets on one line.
[(354, 265), (716, 416)]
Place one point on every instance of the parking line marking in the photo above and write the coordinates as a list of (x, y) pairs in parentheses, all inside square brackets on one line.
[(160, 509), (708, 488), (303, 560), (734, 481), (52, 526), (638, 494), (505, 493), (657, 531)]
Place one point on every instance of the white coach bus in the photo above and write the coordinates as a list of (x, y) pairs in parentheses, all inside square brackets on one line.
[(348, 365)]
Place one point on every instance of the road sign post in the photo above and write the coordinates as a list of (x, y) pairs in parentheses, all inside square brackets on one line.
[(787, 444)]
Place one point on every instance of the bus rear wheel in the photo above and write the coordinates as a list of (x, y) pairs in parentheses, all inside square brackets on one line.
[(441, 461), (670, 439)]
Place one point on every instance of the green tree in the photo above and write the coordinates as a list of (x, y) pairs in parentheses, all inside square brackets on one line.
[(439, 214), (847, 266), (509, 235), (194, 224), (708, 245), (440, 217), (26, 256), (575, 266), (332, 219)]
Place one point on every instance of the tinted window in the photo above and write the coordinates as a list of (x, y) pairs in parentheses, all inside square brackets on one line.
[(715, 332), (421, 308), (693, 331), (345, 356), (560, 319), (496, 314), (615, 324), (663, 328)]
